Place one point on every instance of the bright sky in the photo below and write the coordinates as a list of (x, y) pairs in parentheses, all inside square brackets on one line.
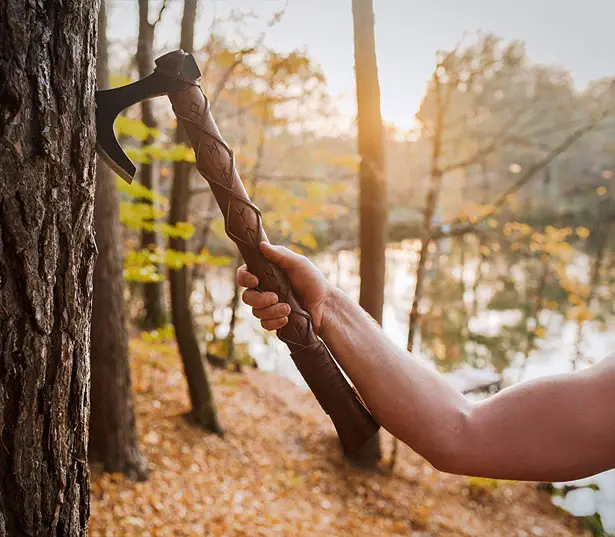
[(572, 34)]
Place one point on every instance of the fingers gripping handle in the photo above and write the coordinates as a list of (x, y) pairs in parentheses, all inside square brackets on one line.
[(243, 224)]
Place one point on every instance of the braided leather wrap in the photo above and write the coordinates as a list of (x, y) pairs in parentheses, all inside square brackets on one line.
[(243, 223)]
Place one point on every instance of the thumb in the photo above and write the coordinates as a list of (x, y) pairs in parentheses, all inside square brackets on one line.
[(280, 255)]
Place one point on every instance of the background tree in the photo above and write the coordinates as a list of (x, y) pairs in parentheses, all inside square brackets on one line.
[(203, 410), (154, 315), (372, 190), (113, 437), (47, 167)]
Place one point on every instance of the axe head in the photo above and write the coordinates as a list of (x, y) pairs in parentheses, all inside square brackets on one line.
[(174, 71)]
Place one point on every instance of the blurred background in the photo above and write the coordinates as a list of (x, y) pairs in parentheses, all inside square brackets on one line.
[(450, 165)]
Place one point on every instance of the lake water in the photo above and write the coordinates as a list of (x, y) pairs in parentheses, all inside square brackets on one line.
[(554, 353)]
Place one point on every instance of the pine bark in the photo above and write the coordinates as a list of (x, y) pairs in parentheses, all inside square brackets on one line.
[(47, 255), (203, 410), (372, 181), (154, 314), (113, 438)]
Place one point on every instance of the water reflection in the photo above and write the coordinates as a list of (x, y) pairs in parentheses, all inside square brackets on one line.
[(553, 354)]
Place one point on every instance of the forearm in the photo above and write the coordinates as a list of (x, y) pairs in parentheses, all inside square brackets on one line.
[(410, 400)]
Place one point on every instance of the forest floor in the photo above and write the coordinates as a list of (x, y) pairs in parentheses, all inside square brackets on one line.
[(278, 471)]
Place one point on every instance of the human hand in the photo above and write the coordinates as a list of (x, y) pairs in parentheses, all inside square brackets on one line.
[(309, 285)]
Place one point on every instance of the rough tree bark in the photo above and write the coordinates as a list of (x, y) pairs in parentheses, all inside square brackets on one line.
[(47, 255), (113, 439), (372, 191), (154, 315), (203, 410)]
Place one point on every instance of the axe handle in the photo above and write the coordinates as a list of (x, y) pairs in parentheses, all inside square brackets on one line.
[(243, 224)]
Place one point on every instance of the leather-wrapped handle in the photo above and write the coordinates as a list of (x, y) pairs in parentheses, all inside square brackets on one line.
[(243, 224)]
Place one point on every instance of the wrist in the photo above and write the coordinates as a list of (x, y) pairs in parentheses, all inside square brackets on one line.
[(331, 307)]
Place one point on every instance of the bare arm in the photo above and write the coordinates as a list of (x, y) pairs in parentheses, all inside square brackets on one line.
[(553, 429)]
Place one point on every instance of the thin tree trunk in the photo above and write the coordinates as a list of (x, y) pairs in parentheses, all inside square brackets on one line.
[(154, 314), (201, 397), (372, 181), (47, 256), (530, 341), (113, 438), (594, 282), (433, 195), (231, 357)]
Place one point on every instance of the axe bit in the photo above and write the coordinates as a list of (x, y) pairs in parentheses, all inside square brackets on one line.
[(177, 75)]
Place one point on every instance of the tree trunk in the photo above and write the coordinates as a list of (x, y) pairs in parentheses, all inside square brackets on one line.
[(230, 339), (113, 439), (201, 397), (372, 195), (47, 256), (154, 315), (431, 204)]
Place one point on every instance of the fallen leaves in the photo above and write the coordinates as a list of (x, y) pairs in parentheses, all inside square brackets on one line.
[(279, 471)]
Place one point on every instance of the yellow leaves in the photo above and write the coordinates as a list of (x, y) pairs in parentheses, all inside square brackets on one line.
[(474, 213), (148, 153), (138, 191), (145, 274), (540, 331), (125, 126), (139, 215), (582, 232), (294, 210), (116, 80), (181, 230), (580, 314), (176, 260), (484, 483), (143, 265), (601, 190), (307, 239), (145, 216), (225, 58), (574, 299), (525, 229), (166, 333), (551, 242)]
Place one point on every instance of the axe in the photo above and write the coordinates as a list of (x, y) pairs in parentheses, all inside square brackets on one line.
[(177, 75)]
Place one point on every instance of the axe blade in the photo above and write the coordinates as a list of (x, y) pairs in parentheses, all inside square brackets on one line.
[(173, 72), (107, 146)]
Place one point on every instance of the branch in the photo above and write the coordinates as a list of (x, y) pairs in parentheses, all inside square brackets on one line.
[(275, 19), (523, 180), (162, 8), (222, 83), (485, 151)]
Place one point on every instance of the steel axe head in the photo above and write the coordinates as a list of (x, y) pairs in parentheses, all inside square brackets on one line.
[(174, 71)]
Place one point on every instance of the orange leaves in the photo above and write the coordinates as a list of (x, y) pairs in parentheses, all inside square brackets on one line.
[(279, 472)]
